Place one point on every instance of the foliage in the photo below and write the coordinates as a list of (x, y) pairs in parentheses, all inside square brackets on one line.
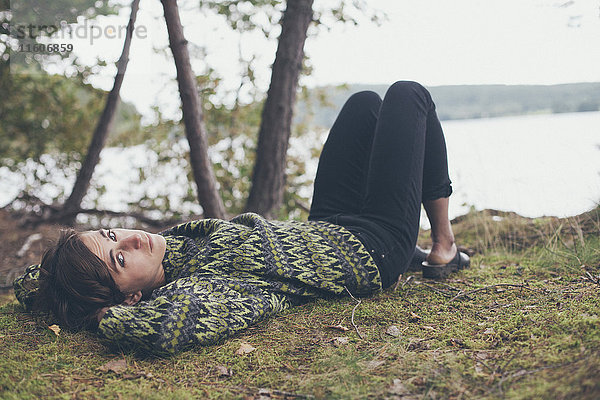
[(536, 339), (232, 134), (264, 15), (57, 11), (32, 20), (245, 15), (61, 142), (45, 113), (55, 115), (47, 124)]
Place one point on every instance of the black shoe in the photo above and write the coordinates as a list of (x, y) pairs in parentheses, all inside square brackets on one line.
[(419, 256), (441, 271)]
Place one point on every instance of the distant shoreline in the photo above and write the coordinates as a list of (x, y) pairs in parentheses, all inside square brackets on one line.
[(455, 102)]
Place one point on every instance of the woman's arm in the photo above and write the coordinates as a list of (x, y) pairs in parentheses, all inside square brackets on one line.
[(190, 311), (27, 285)]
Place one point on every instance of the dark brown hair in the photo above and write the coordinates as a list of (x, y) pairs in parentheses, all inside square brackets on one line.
[(75, 283)]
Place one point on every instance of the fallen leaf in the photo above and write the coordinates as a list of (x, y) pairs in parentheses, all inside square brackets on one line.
[(338, 327), (116, 366), (55, 328), (224, 371), (340, 340), (245, 348), (393, 331)]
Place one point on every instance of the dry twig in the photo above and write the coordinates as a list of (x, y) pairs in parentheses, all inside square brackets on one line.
[(408, 280), (353, 310), (591, 278)]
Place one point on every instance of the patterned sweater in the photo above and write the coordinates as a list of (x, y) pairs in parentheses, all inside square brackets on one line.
[(223, 276)]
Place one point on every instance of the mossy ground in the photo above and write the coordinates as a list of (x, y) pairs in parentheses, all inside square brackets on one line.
[(522, 322)]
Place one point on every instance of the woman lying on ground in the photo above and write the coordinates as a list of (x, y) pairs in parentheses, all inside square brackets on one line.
[(202, 281)]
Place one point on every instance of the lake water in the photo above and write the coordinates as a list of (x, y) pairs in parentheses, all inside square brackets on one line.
[(533, 165)]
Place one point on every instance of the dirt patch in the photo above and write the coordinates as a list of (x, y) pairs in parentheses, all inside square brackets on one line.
[(13, 260)]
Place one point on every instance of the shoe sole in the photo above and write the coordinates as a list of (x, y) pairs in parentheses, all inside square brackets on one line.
[(442, 271)]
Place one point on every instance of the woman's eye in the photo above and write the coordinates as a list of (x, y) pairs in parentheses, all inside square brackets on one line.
[(112, 236), (121, 259)]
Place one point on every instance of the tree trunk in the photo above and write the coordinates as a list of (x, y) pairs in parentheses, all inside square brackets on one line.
[(268, 177), (69, 210), (192, 116)]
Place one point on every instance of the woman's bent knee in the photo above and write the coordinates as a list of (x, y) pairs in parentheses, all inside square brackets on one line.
[(365, 97), (407, 85), (409, 90), (361, 104)]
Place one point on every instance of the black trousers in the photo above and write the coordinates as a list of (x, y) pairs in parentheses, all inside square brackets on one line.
[(382, 158)]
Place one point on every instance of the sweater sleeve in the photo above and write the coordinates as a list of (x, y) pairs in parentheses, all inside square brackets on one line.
[(189, 311), (27, 285)]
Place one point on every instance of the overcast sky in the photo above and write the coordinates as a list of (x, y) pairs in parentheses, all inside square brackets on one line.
[(435, 42)]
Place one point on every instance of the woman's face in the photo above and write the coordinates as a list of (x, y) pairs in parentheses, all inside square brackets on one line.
[(134, 258)]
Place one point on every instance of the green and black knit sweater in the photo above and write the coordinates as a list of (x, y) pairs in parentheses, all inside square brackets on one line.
[(223, 276)]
